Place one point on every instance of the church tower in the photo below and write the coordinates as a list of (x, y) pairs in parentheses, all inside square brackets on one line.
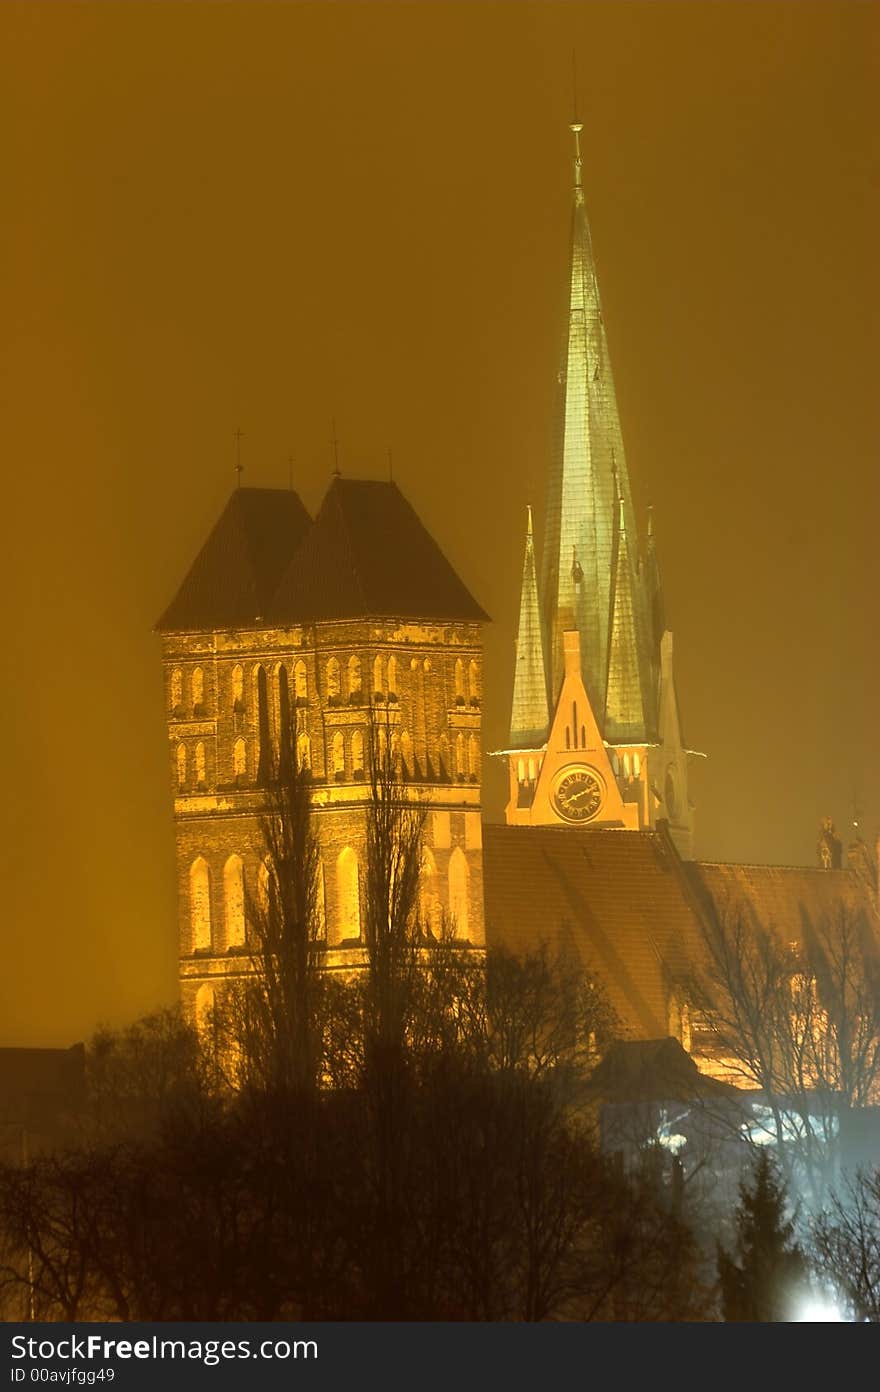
[(293, 630), (595, 736)]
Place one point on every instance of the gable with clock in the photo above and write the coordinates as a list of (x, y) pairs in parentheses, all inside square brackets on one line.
[(570, 780)]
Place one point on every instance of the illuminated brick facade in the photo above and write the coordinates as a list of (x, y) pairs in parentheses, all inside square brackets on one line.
[(230, 689)]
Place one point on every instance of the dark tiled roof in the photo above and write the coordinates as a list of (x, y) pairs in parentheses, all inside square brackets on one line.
[(617, 899), (368, 555), (653, 1070), (234, 576), (785, 898)]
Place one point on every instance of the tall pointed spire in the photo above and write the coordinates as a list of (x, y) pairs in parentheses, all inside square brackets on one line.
[(530, 716), (580, 549), (624, 702)]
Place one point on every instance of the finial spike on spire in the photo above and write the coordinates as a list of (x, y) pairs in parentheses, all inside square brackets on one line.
[(650, 521), (576, 127), (529, 523)]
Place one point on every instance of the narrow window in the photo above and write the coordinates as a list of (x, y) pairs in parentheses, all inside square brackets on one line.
[(459, 682), (473, 758), (583, 737), (568, 737), (239, 759), (521, 770), (238, 688), (301, 681), (303, 751), (637, 764), (626, 766), (429, 900), (200, 904), (176, 689), (574, 721), (357, 754), (333, 680), (320, 902), (406, 753), (460, 757), (204, 1009), (355, 683), (181, 766), (201, 779), (264, 745), (198, 689), (392, 679), (443, 756), (337, 757), (282, 694), (458, 892), (378, 679), (474, 682), (348, 898), (233, 901), (531, 770), (264, 886)]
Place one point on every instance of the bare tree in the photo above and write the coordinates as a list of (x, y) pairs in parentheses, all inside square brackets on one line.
[(846, 1245)]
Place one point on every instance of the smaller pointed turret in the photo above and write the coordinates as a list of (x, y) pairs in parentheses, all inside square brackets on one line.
[(530, 714), (624, 703), (655, 587)]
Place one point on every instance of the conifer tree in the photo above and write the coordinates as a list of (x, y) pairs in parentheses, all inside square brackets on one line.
[(761, 1282)]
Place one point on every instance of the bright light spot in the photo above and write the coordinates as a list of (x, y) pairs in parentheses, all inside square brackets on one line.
[(817, 1309)]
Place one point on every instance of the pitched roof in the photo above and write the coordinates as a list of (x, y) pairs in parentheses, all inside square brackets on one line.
[(617, 899), (367, 554), (234, 576), (653, 1070), (785, 898)]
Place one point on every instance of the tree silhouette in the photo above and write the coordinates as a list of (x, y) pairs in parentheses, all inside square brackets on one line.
[(761, 1282)]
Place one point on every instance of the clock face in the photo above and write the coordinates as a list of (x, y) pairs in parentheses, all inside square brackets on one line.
[(578, 795)]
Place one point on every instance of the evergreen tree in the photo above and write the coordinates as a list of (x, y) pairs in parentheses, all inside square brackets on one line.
[(761, 1282)]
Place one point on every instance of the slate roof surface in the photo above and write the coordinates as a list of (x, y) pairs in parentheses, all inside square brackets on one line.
[(617, 899), (233, 578), (366, 554), (369, 555), (785, 898)]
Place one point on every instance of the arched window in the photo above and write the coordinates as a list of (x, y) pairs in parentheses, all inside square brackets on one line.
[(459, 682), (264, 885), (355, 682), (382, 749), (348, 895), (357, 754), (337, 757), (204, 1008), (533, 772), (521, 770), (458, 892), (429, 897), (264, 745), (443, 756), (198, 689), (626, 766), (474, 682), (460, 756), (233, 901), (181, 766), (282, 715), (333, 679), (176, 686), (303, 751), (201, 777), (406, 753), (200, 905), (238, 687), (473, 757), (320, 902), (378, 678), (239, 759), (615, 761), (392, 678), (637, 764), (301, 681)]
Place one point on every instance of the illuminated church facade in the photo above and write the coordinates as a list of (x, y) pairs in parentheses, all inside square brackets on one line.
[(293, 630), (288, 628)]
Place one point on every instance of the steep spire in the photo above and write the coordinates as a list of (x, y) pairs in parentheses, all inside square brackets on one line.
[(530, 716), (580, 551), (624, 704), (655, 587)]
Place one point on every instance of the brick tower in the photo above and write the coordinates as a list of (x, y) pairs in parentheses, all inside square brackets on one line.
[(288, 623)]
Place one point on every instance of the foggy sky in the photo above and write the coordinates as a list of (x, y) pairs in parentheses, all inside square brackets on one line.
[(268, 216)]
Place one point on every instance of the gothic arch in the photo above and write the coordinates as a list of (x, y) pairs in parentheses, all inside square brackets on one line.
[(233, 901), (459, 875), (348, 896), (200, 904)]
